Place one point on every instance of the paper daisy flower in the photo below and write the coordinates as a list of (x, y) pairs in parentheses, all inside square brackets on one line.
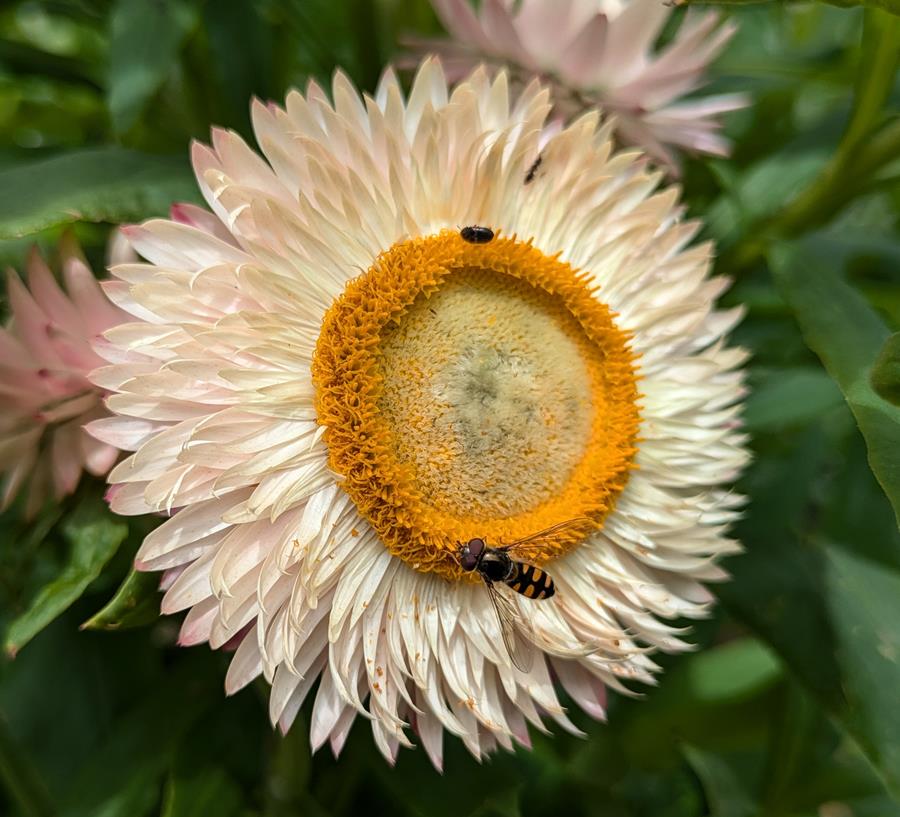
[(331, 389), (45, 395), (600, 53)]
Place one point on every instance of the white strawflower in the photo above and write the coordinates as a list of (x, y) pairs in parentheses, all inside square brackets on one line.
[(331, 389), (601, 53)]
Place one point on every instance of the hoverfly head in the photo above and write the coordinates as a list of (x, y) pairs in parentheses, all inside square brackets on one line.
[(470, 553)]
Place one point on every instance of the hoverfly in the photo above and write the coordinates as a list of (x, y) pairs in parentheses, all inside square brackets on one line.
[(496, 565), (477, 235)]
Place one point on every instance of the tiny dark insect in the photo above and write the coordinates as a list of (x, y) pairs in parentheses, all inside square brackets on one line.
[(477, 235), (496, 565), (529, 176)]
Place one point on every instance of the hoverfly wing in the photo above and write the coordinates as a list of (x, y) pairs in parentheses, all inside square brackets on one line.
[(512, 547), (518, 647)]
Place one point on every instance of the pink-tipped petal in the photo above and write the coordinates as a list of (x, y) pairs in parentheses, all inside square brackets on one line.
[(45, 360)]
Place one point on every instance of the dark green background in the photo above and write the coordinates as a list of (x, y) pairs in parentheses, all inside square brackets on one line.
[(791, 706)]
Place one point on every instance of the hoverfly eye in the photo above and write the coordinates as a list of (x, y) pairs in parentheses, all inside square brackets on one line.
[(468, 562), (475, 547)]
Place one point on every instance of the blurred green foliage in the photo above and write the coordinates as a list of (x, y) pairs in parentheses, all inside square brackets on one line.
[(790, 707)]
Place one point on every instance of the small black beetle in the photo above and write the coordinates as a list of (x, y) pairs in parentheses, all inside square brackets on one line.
[(477, 235)]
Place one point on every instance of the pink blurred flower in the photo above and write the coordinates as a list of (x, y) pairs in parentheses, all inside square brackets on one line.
[(600, 54), (45, 396)]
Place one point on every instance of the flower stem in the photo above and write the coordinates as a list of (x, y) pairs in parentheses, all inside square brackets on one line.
[(868, 145), (839, 181)]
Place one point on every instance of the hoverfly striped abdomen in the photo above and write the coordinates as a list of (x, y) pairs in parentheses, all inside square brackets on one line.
[(531, 581)]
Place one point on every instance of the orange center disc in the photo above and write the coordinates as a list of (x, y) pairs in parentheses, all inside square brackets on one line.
[(475, 390)]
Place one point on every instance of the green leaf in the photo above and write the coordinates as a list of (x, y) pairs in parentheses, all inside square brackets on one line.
[(97, 184), (812, 762), (821, 608), (886, 371), (875, 78), (760, 190), (790, 397), (730, 672), (870, 143), (135, 604), (20, 780), (203, 792), (830, 614), (122, 778), (722, 783), (847, 335), (863, 599), (241, 53), (94, 536), (707, 699), (145, 39), (854, 509)]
